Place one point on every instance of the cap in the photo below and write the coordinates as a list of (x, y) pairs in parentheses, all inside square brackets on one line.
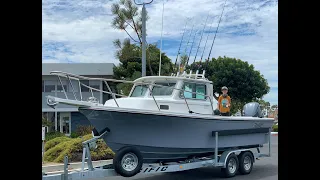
[(224, 88)]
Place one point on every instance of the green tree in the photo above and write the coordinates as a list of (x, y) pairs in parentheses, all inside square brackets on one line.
[(183, 59), (130, 65), (125, 88), (263, 104), (127, 18), (245, 84)]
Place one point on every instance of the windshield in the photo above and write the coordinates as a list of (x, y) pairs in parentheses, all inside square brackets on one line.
[(163, 91), (139, 90)]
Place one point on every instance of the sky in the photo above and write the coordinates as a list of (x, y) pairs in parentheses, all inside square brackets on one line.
[(80, 31)]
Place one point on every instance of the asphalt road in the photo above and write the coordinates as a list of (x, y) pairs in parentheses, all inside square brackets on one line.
[(263, 169)]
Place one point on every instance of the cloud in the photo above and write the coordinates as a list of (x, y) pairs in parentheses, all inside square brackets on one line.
[(80, 31)]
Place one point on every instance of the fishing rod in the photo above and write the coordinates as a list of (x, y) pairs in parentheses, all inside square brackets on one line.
[(185, 51), (205, 44), (217, 29), (204, 26), (194, 37), (181, 42)]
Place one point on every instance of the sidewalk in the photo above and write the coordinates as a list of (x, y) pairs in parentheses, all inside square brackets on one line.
[(53, 168), (274, 133)]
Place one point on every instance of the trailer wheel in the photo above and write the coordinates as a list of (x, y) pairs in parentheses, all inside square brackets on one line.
[(128, 161), (245, 162), (232, 165)]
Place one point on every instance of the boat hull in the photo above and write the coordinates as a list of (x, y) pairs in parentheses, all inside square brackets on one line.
[(164, 137)]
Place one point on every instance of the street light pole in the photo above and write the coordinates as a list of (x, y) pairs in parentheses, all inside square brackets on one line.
[(161, 39), (143, 36), (144, 54)]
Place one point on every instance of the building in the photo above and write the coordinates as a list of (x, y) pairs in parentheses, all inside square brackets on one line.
[(64, 117)]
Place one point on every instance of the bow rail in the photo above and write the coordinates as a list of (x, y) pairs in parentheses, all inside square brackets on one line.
[(93, 101)]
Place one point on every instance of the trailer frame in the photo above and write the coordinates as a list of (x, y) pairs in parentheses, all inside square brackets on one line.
[(108, 170)]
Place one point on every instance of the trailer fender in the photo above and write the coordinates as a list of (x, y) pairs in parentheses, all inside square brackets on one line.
[(224, 156)]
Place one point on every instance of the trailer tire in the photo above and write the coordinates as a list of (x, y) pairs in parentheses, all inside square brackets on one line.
[(232, 165), (245, 162), (128, 161)]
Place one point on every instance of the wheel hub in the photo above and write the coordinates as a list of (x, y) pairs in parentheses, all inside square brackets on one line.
[(129, 162), (232, 166), (247, 163)]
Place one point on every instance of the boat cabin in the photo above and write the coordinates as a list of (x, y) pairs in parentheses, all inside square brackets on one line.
[(180, 94)]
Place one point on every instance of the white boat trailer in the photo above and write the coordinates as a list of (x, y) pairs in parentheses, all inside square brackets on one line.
[(226, 161)]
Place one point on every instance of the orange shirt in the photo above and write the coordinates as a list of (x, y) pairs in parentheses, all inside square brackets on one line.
[(223, 104)]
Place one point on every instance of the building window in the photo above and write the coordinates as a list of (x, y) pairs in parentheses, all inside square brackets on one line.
[(49, 86), (59, 87), (75, 86), (83, 88), (42, 86), (93, 84), (193, 88)]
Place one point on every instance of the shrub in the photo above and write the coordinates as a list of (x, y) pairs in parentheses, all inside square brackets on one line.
[(55, 141), (72, 147), (275, 128), (74, 135), (81, 130), (102, 151), (52, 135)]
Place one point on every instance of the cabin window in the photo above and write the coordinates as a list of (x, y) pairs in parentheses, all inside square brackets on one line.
[(193, 88), (163, 91), (139, 90)]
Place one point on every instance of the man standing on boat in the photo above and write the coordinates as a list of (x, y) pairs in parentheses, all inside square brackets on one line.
[(224, 102)]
